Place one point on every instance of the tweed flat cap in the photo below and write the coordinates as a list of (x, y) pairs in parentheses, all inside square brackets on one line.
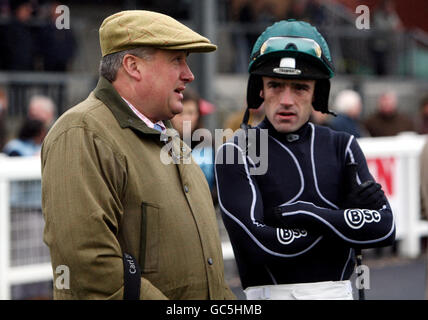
[(134, 28)]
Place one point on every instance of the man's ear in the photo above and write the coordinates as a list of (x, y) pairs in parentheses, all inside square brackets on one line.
[(262, 94), (131, 66)]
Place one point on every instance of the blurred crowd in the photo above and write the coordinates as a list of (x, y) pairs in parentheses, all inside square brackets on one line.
[(389, 119), (274, 10), (382, 42), (258, 12), (39, 117), (30, 39)]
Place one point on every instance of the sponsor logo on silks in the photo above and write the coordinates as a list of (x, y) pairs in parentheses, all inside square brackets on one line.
[(287, 236), (287, 66), (356, 218)]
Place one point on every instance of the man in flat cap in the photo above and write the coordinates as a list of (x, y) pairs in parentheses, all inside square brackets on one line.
[(121, 221)]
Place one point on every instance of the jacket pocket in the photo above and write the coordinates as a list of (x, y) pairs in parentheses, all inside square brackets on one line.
[(149, 242)]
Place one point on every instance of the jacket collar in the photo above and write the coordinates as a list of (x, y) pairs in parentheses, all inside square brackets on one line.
[(300, 134), (105, 92)]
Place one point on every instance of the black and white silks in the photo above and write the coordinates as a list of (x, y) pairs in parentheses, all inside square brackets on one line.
[(304, 183)]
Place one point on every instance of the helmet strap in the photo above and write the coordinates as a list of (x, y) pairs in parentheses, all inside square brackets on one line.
[(244, 125)]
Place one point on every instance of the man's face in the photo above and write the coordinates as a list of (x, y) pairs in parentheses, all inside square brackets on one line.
[(388, 104), (164, 76), (42, 113), (288, 103)]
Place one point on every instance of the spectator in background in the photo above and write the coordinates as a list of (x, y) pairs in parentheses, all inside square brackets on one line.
[(348, 106), (17, 38), (241, 12), (274, 10), (186, 123), (42, 108), (316, 12), (387, 120), (423, 116), (299, 11), (249, 14), (40, 116), (234, 120), (386, 24), (307, 10), (3, 114), (57, 46), (29, 140)]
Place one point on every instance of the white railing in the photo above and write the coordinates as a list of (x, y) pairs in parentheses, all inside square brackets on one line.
[(394, 161), (23, 256)]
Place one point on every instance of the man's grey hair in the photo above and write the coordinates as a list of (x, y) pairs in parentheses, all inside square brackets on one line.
[(111, 63)]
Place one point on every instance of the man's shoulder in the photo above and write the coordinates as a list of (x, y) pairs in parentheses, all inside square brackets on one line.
[(90, 117), (91, 113)]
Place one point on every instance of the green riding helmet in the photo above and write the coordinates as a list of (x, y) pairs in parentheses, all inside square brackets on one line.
[(291, 49)]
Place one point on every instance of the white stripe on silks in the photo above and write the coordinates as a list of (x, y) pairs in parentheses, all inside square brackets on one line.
[(314, 170), (242, 225)]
